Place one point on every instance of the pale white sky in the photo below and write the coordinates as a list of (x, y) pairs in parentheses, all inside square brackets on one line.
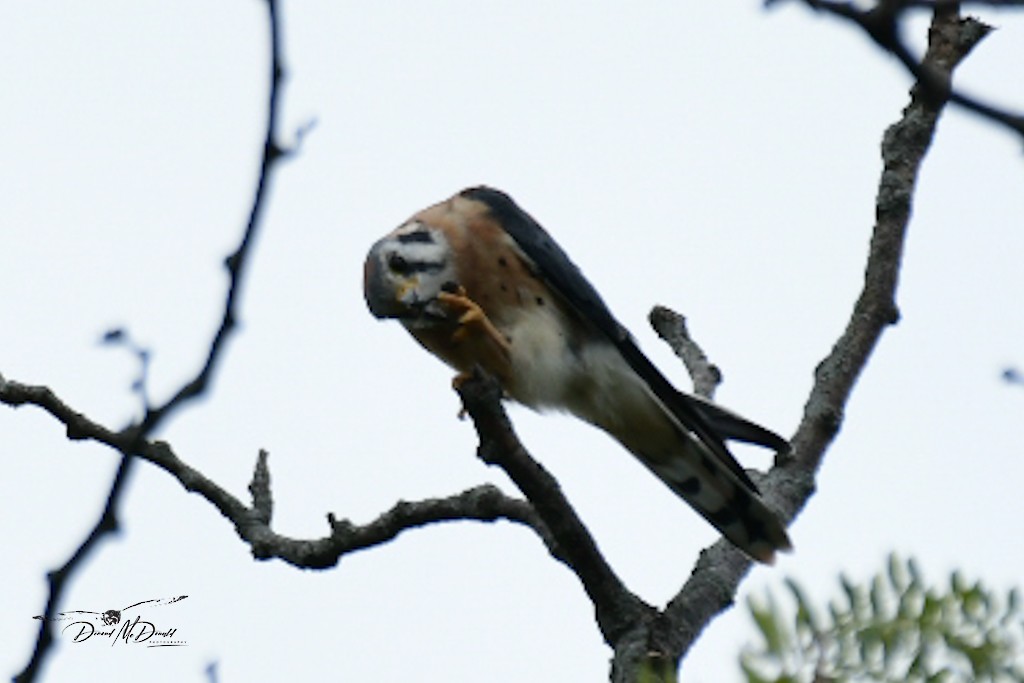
[(711, 157)]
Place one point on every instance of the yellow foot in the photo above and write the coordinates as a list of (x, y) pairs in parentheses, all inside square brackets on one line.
[(474, 341), (468, 313), (472, 321)]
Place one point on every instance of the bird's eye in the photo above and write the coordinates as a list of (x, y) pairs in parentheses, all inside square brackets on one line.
[(398, 264)]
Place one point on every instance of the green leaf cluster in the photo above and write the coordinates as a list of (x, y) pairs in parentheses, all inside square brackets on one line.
[(894, 627)]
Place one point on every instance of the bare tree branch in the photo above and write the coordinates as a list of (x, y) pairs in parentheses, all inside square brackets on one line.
[(238, 260), (57, 580), (485, 503), (671, 327), (790, 484), (903, 148), (134, 436), (644, 638), (617, 609), (882, 24)]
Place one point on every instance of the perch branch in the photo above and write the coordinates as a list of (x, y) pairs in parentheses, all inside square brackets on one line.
[(617, 609)]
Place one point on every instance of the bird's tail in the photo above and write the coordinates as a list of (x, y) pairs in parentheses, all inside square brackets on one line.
[(721, 498)]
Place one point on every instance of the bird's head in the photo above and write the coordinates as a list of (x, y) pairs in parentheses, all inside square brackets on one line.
[(405, 271)]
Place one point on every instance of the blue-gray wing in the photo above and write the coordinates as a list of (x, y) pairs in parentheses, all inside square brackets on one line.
[(709, 423)]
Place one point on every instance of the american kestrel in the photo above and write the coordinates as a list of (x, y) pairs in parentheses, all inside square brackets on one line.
[(477, 281)]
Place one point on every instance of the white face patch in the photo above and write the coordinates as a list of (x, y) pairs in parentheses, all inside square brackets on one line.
[(416, 261), (424, 248)]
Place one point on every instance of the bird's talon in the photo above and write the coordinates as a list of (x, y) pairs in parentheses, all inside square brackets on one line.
[(471, 319), (457, 382), (461, 305)]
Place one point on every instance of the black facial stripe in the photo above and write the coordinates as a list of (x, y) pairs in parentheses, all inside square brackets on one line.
[(419, 236), (424, 266), (398, 263)]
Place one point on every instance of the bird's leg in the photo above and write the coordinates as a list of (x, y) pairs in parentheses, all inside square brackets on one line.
[(492, 350)]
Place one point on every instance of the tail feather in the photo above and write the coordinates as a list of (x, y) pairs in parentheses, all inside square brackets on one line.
[(729, 425), (683, 442), (718, 496)]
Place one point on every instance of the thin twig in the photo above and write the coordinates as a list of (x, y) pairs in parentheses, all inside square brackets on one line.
[(882, 24), (237, 261), (671, 327), (953, 4)]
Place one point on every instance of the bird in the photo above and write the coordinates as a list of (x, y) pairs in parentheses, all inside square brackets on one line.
[(480, 284)]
